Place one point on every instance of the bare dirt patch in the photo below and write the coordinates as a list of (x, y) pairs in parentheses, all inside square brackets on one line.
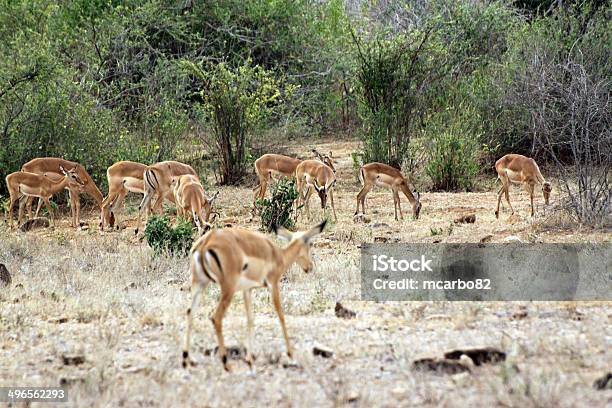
[(105, 300)]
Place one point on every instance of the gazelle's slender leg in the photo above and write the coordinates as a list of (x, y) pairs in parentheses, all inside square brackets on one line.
[(217, 320), (75, 207), (507, 194), (50, 210), (10, 210), (399, 204), (196, 291), (307, 199), (281, 316), (38, 206), (331, 197), (119, 197), (395, 198), (248, 305), (499, 197), (361, 197), (22, 203), (530, 188), (145, 206)]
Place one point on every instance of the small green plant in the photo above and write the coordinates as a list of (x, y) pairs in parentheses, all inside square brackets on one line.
[(435, 231), (162, 237), (44, 212), (278, 209)]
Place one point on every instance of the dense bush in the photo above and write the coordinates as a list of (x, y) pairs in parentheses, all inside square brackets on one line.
[(164, 238), (279, 209), (452, 148)]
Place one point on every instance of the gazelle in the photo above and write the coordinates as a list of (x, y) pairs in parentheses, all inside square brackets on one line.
[(240, 260), (21, 184), (328, 160), (313, 173), (123, 177), (386, 176), (158, 182), (42, 165), (191, 200), (269, 164), (518, 169)]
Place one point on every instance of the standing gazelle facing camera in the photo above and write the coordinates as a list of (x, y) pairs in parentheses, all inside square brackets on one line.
[(518, 169), (240, 260)]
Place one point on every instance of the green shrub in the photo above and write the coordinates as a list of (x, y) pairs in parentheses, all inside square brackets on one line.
[(278, 209), (454, 146), (162, 237)]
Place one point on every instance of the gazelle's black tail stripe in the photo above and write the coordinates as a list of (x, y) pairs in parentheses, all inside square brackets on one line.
[(152, 183), (214, 255)]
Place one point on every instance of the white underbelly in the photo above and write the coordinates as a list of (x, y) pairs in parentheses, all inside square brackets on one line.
[(514, 176), (133, 184), (245, 283), (29, 191)]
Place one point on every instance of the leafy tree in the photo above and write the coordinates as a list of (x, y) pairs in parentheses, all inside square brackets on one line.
[(235, 103)]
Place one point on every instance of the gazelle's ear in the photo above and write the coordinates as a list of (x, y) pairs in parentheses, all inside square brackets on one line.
[(314, 231), (283, 233), (331, 154), (416, 195), (210, 200), (316, 185), (62, 170)]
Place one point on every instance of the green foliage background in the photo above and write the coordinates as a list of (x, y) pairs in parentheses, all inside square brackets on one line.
[(106, 80)]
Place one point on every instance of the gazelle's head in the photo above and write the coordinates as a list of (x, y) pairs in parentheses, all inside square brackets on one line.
[(302, 240), (416, 207), (73, 177), (546, 189), (208, 205), (323, 191), (326, 159)]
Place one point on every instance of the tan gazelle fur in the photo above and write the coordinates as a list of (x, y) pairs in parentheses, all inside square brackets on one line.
[(313, 174), (157, 182), (240, 260), (48, 165), (270, 164), (516, 168), (191, 200), (22, 184), (384, 175), (123, 177)]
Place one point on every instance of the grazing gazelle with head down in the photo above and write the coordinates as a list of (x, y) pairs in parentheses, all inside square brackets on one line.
[(191, 201), (157, 182), (240, 260), (383, 175), (315, 174), (23, 185), (515, 168), (50, 165), (123, 177), (270, 164)]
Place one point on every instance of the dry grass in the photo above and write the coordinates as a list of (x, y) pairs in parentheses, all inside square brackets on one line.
[(107, 298)]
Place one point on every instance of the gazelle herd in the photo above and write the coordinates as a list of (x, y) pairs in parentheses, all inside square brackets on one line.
[(236, 259)]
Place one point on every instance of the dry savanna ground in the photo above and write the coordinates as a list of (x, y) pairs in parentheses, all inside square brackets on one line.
[(101, 315)]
